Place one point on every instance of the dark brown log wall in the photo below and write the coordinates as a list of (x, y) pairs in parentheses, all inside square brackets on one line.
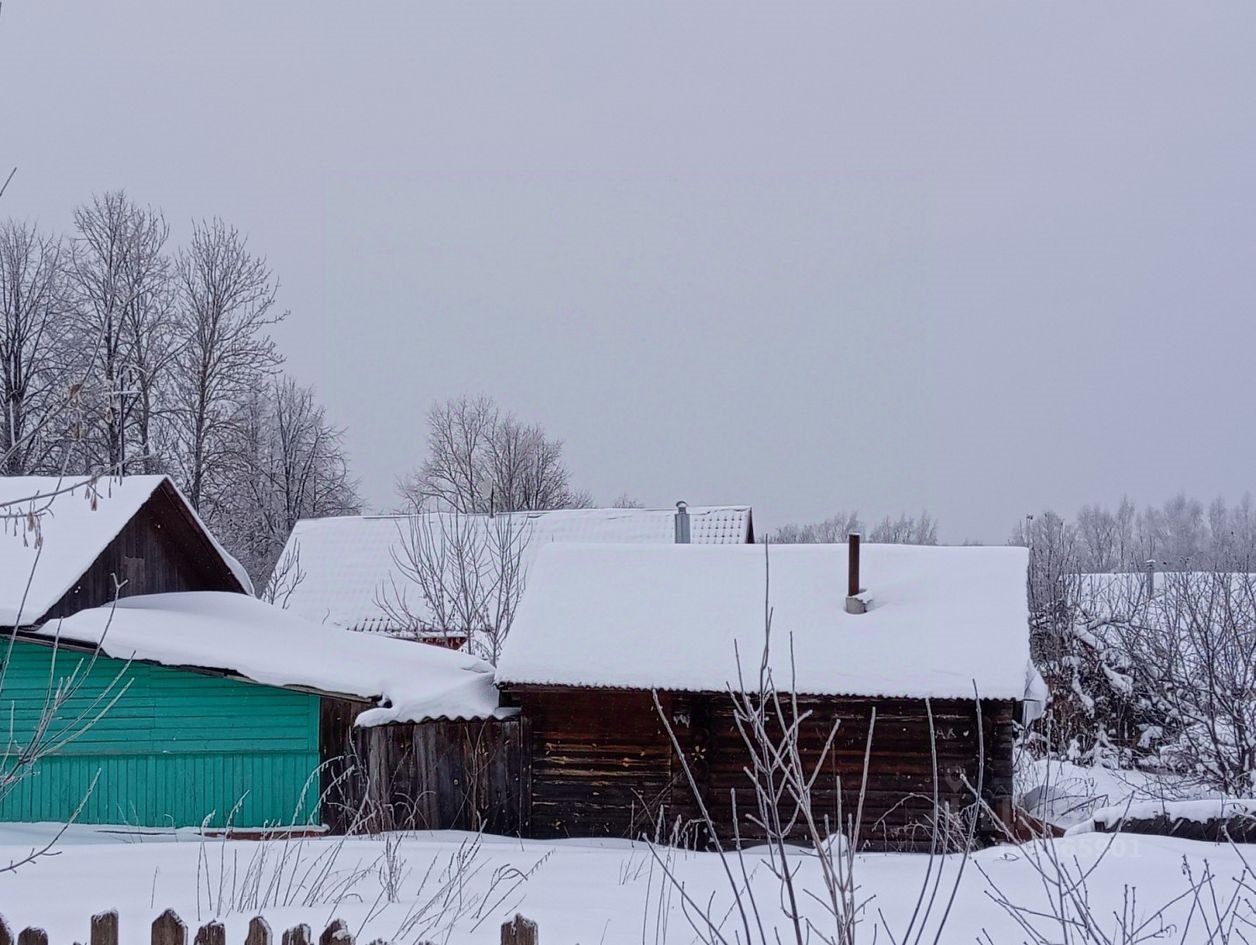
[(603, 765), (898, 801), (161, 549)]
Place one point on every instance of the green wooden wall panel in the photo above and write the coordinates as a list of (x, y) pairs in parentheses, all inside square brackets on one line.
[(172, 748)]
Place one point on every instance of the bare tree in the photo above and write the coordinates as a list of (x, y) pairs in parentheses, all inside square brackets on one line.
[(33, 349), (122, 303), (906, 530), (155, 346), (834, 529), (285, 578), (461, 575), (226, 303), (482, 459), (1183, 652), (287, 463)]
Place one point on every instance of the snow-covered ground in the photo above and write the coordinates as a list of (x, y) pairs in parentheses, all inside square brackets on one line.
[(579, 891), (1076, 798), (1068, 795)]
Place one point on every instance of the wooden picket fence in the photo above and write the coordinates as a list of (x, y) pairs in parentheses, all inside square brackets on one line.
[(169, 929)]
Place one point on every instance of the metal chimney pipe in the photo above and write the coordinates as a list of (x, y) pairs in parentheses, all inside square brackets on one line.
[(1151, 578), (682, 523), (854, 604)]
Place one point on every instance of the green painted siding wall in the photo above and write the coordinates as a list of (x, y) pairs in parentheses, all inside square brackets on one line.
[(174, 748)]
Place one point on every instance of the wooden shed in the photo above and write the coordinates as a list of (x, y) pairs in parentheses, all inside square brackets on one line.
[(147, 745), (938, 659), (210, 707), (185, 700)]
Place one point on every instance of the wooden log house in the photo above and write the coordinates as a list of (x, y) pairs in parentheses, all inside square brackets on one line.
[(934, 642)]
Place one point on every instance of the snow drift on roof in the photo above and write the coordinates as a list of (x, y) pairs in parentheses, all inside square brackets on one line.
[(346, 562), (242, 636), (53, 528), (675, 617)]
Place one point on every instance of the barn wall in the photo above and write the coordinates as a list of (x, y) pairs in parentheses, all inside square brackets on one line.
[(160, 550), (171, 747), (603, 764)]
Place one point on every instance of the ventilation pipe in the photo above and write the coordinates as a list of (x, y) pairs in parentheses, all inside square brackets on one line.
[(682, 523), (854, 603)]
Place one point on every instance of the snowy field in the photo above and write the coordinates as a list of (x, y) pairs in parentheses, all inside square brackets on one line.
[(578, 891)]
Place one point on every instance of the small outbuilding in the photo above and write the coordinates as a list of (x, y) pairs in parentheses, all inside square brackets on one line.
[(934, 666), (141, 684), (210, 708)]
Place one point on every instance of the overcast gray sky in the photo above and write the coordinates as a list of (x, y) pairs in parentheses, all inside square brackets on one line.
[(979, 258)]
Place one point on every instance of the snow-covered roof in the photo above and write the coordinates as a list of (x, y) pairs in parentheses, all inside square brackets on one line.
[(52, 529), (246, 637), (676, 617), (347, 562)]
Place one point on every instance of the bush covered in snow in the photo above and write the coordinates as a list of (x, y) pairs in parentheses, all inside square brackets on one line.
[(1156, 671)]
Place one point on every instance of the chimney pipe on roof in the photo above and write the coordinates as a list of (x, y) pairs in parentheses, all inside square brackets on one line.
[(1151, 578), (682, 523), (854, 603)]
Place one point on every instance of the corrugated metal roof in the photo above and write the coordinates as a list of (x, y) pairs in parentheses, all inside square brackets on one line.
[(348, 561), (940, 620)]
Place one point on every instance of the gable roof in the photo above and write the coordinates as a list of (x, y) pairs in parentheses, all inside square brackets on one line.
[(53, 528), (677, 617), (239, 635), (348, 561)]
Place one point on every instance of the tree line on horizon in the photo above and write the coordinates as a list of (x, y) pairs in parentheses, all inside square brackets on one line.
[(120, 352)]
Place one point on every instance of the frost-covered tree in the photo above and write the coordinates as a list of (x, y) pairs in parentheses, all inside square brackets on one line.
[(1085, 581), (482, 459), (226, 308), (38, 390), (287, 463), (834, 529), (906, 530), (122, 303), (903, 530), (1166, 668)]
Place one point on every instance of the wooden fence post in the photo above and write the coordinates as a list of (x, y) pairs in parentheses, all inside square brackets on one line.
[(519, 931), (336, 934), (105, 928), (297, 935), (32, 937), (168, 929), (259, 932), (211, 933)]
